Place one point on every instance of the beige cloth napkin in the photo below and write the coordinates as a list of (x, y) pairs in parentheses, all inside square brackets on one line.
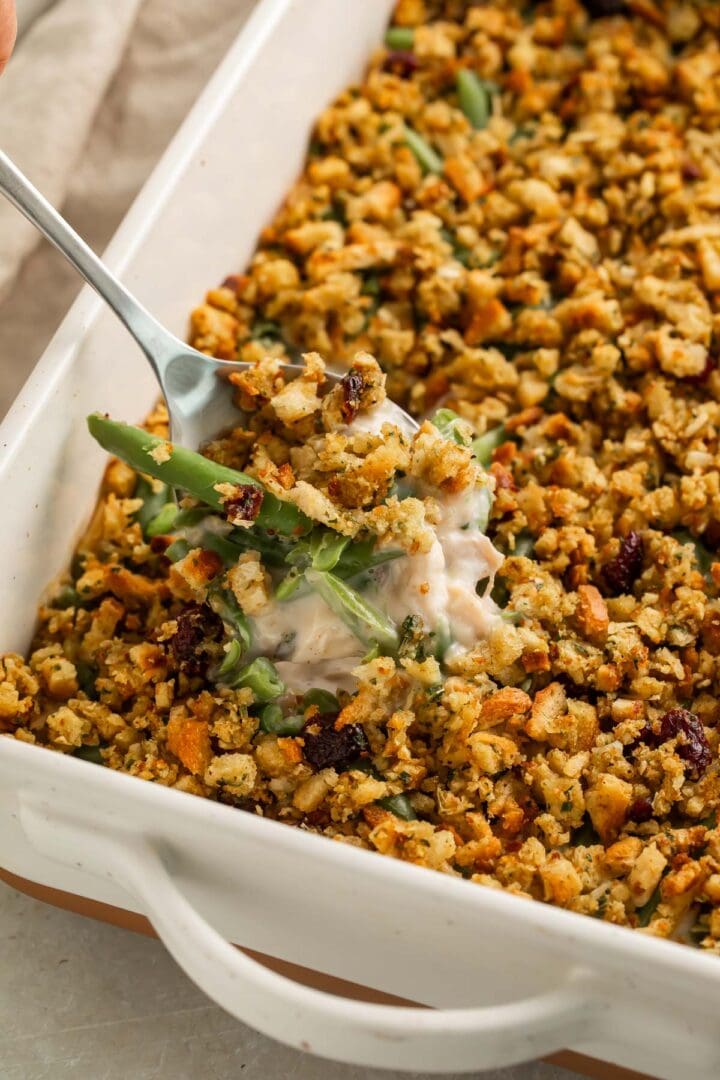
[(88, 103)]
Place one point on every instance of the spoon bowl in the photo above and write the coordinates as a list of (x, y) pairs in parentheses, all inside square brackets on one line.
[(198, 396)]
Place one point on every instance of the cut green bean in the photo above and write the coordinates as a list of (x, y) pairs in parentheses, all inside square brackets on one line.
[(429, 160), (273, 722), (367, 622), (360, 557), (178, 550), (326, 549), (86, 676), (524, 544), (153, 500), (321, 550), (272, 549), (400, 806), (484, 445), (474, 97), (290, 584), (188, 519), (326, 702), (224, 604), (66, 597), (262, 677), (190, 471), (485, 502), (646, 912), (452, 427), (400, 38), (585, 835), (89, 753), (266, 330), (226, 549), (230, 661), (703, 557), (163, 522)]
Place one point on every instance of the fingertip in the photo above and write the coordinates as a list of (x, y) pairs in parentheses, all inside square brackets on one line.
[(8, 31)]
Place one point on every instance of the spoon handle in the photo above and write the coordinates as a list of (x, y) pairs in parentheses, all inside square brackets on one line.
[(155, 341)]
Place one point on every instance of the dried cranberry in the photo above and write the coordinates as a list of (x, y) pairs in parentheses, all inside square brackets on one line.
[(622, 572), (244, 504), (160, 544), (197, 626), (352, 388), (598, 9), (641, 810), (692, 744), (690, 170), (326, 747), (401, 62)]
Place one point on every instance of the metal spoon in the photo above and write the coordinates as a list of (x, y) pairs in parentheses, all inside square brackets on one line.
[(199, 402)]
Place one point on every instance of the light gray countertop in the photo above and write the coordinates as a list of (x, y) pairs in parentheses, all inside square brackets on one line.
[(80, 1000)]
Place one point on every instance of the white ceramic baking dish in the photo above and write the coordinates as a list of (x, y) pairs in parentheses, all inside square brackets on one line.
[(510, 980)]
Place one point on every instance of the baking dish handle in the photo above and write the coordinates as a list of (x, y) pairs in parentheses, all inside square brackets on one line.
[(413, 1038), (383, 1036)]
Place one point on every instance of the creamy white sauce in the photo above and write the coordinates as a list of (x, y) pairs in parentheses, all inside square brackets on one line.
[(303, 630), (315, 646), (387, 412), (312, 646), (470, 557), (329, 675), (440, 585)]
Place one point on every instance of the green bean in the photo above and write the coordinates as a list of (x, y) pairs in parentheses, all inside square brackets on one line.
[(224, 604), (163, 522), (703, 557), (86, 676), (514, 617), (273, 722), (484, 445), (524, 544), (646, 912), (226, 549), (290, 584), (321, 550), (272, 549), (400, 806), (429, 159), (326, 702), (361, 556), (326, 549), (367, 622), (66, 597), (474, 97), (192, 472), (188, 519), (400, 38), (452, 427), (484, 509), (153, 501), (585, 835), (89, 753), (177, 550), (443, 640), (261, 676), (230, 661), (266, 330)]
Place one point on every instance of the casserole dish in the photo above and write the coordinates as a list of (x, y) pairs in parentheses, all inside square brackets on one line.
[(510, 981)]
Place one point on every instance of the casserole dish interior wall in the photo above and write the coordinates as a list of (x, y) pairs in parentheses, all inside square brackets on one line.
[(196, 221)]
